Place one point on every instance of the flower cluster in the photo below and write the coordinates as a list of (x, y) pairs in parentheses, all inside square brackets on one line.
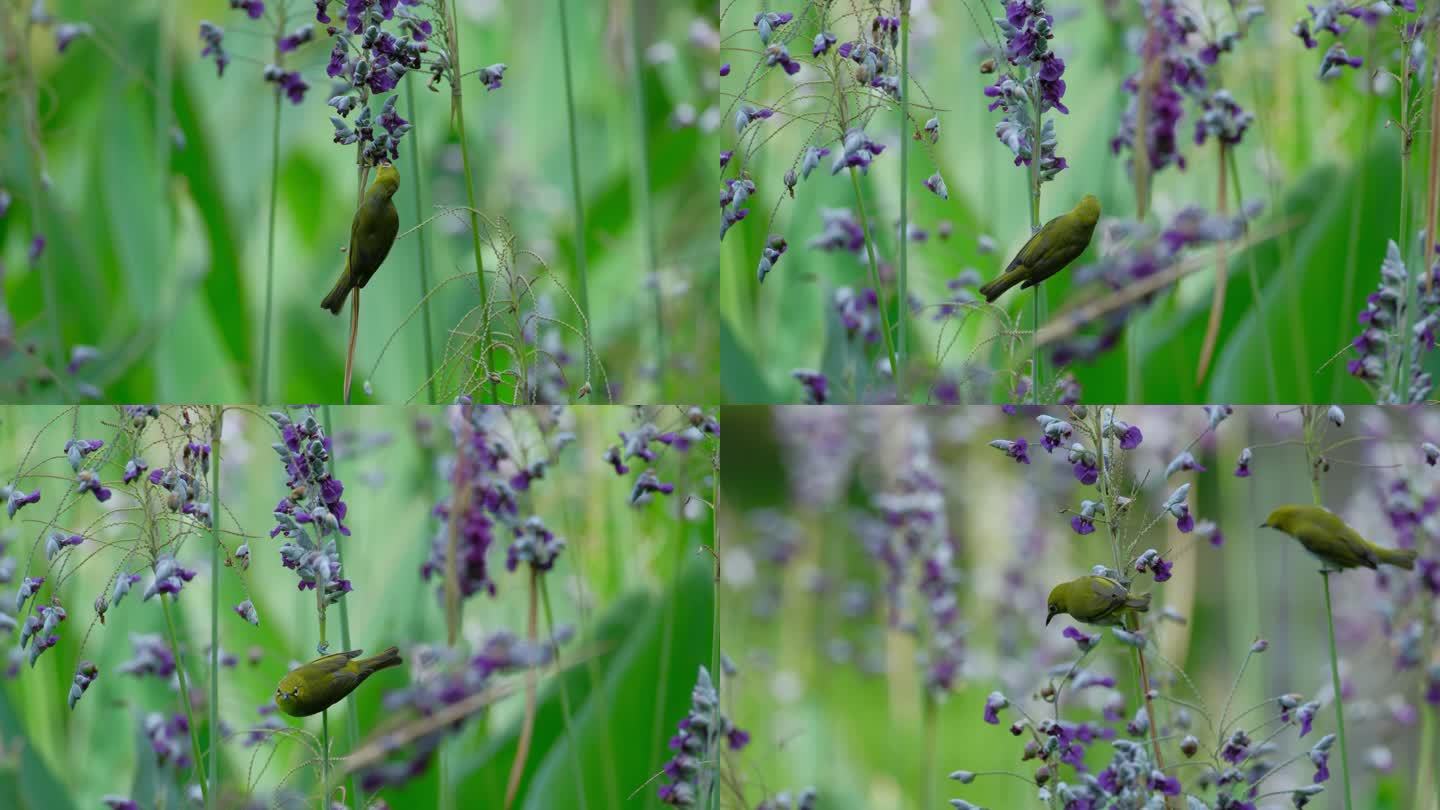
[(1024, 99), (313, 505), (1331, 18), (688, 774), (449, 691), (648, 440), (1387, 358), (1178, 60)]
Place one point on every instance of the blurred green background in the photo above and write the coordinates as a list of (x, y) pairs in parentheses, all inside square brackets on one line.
[(157, 216), (1323, 155), (833, 698), (633, 582)]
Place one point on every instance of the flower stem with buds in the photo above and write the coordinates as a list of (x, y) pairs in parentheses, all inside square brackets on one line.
[(1036, 151)]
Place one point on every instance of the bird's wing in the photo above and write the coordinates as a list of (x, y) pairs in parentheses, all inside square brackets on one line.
[(334, 662), (1363, 549), (1108, 589), (1036, 249), (1332, 546)]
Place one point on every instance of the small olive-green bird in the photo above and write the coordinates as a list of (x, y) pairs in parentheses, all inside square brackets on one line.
[(1054, 246), (372, 232), (1095, 600), (314, 687), (1329, 538)]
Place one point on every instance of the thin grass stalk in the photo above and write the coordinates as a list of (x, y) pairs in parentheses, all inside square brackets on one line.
[(1308, 418), (325, 759), (577, 198), (185, 699), (1217, 300), (667, 638), (217, 421), (874, 270), (715, 608), (1335, 681), (1254, 274), (1036, 150), (457, 120), (264, 384), (646, 212), (527, 726), (570, 740), (421, 251), (904, 249), (931, 719), (1425, 777), (27, 90), (357, 800)]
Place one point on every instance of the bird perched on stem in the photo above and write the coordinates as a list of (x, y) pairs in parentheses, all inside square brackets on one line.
[(372, 232), (314, 687), (1094, 599), (1329, 538), (1054, 246)]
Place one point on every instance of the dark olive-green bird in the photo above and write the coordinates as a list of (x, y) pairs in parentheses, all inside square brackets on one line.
[(314, 687), (1095, 600), (1054, 246), (1329, 538), (372, 232)]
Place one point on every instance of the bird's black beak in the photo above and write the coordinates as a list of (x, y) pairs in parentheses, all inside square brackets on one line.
[(1048, 617), (1264, 525)]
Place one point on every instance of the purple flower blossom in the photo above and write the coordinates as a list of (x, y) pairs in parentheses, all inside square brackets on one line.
[(214, 38), (993, 704), (1242, 466), (1320, 758), (16, 499), (254, 8), (493, 76), (817, 388), (1016, 449)]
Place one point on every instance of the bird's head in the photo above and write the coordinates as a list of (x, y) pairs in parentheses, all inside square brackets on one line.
[(1089, 208), (1055, 604), (1283, 518), (287, 695), (388, 178)]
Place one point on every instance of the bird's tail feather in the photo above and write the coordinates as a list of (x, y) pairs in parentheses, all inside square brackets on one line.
[(1400, 557), (997, 288), (387, 658), (1140, 602), (336, 299)]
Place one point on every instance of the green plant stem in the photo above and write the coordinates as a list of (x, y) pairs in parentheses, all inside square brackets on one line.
[(570, 740), (577, 198), (1335, 681), (457, 117), (421, 251), (185, 698), (1425, 777), (874, 270), (646, 209), (357, 801), (324, 759), (264, 383), (1254, 274), (527, 725), (715, 604), (928, 769), (904, 249), (217, 422), (1036, 151), (667, 639)]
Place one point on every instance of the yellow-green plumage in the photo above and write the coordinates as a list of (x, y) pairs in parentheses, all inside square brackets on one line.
[(372, 232), (1095, 600), (1054, 246), (1329, 538), (314, 687)]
